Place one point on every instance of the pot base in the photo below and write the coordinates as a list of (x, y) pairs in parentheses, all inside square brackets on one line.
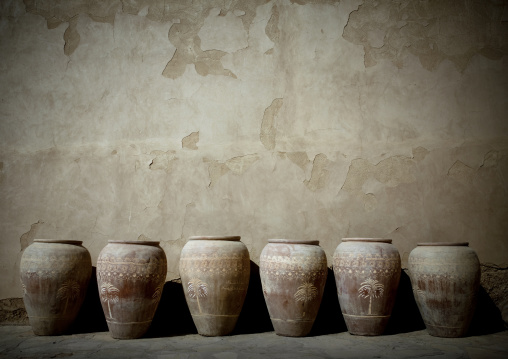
[(49, 326), (128, 330), (292, 328), (445, 332), (211, 325), (366, 325)]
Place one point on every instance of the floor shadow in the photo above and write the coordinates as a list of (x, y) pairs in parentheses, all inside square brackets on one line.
[(405, 314), (91, 316), (254, 317), (487, 318), (329, 319), (172, 316)]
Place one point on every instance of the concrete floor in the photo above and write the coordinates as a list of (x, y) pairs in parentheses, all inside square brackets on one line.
[(20, 342)]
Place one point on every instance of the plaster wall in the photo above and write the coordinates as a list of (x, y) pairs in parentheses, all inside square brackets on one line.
[(291, 119)]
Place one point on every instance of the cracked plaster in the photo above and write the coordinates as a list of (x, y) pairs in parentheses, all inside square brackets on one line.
[(292, 119)]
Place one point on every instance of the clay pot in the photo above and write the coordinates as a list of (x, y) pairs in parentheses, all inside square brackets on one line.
[(54, 278), (445, 278), (293, 275), (215, 274), (367, 274), (130, 277)]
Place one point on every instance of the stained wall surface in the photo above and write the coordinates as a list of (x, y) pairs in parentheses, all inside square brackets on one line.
[(266, 119)]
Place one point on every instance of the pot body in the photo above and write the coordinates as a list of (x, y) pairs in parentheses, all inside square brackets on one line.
[(215, 274), (293, 275), (367, 275), (445, 278), (54, 277), (130, 277)]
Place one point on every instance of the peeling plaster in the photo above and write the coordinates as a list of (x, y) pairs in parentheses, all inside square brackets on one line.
[(272, 27), (190, 141), (162, 160), (419, 153), (299, 158), (185, 39), (453, 31), (238, 165), (491, 159), (461, 171), (225, 33), (391, 172), (142, 237), (319, 175), (187, 19), (71, 37), (27, 238), (216, 170), (268, 124)]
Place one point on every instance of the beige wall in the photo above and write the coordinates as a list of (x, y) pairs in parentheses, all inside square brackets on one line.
[(294, 119)]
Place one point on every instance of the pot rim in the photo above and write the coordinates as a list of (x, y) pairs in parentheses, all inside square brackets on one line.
[(214, 238), (443, 244), (294, 241), (122, 241), (61, 241), (368, 240)]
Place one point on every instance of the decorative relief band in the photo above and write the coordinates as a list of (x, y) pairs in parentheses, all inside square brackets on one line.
[(366, 316), (435, 276), (367, 264), (132, 268), (50, 266), (215, 264), (305, 268)]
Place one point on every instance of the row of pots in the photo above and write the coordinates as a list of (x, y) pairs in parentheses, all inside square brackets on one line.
[(215, 274)]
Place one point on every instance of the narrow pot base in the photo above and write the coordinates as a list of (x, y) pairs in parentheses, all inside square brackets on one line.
[(366, 325), (131, 330), (212, 325), (446, 332), (292, 328), (49, 326)]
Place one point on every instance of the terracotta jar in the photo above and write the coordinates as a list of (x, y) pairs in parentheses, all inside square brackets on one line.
[(130, 277), (293, 275), (445, 278), (215, 274), (367, 273), (54, 278)]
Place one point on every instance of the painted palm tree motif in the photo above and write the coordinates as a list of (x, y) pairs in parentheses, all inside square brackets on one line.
[(109, 294), (68, 291), (371, 288), (197, 289), (306, 292)]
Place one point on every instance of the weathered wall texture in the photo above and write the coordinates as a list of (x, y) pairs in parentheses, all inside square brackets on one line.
[(295, 119)]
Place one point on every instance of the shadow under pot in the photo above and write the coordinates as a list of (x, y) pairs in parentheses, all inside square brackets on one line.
[(293, 275), (215, 272), (367, 274), (130, 278), (54, 277), (445, 277)]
